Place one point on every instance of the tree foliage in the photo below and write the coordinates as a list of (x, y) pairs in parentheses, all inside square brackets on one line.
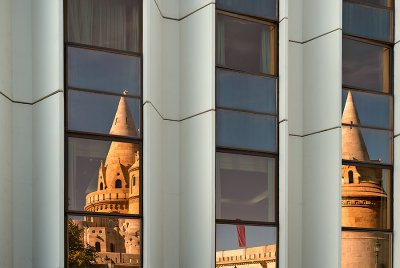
[(79, 254)]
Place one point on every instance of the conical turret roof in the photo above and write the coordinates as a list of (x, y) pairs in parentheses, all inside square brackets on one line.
[(123, 123), (353, 145)]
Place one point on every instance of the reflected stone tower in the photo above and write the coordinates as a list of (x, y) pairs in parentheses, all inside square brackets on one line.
[(363, 196), (118, 179)]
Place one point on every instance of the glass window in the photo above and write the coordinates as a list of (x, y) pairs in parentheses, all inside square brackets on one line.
[(366, 66), (114, 239), (366, 249), (257, 8), (367, 109), (246, 130), (94, 169), (105, 23), (245, 187), (364, 144), (382, 3), (102, 71), (366, 197), (246, 242), (246, 92), (366, 21), (105, 114), (245, 45)]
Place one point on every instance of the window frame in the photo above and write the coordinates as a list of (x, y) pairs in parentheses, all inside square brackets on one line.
[(250, 152), (98, 136)]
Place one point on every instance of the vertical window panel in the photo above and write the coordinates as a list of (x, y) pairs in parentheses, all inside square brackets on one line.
[(258, 8), (98, 113), (366, 197), (105, 23), (366, 66), (246, 130), (246, 92), (118, 241), (366, 249), (103, 71), (245, 45), (245, 187), (366, 21), (94, 169)]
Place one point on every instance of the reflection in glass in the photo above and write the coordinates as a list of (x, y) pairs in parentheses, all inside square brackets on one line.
[(98, 70), (94, 168), (366, 66), (99, 241), (246, 92), (246, 130), (105, 23), (363, 144), (375, 23), (366, 197), (245, 187), (105, 114), (245, 45), (244, 244), (366, 249), (382, 3), (258, 8), (371, 109)]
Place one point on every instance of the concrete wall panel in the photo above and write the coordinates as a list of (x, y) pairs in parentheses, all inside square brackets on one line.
[(187, 7), (321, 217), (295, 88), (47, 47), (322, 83), (48, 183), (197, 191), (22, 185), (197, 68), (321, 17), (6, 47), (6, 184)]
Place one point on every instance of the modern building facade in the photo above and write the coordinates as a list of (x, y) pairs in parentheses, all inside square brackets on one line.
[(136, 141)]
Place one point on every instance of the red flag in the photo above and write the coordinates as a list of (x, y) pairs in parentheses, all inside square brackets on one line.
[(241, 235)]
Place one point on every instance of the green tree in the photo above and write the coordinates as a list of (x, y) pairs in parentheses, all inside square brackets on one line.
[(79, 254)]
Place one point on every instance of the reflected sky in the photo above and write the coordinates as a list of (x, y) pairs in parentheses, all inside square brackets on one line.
[(98, 70), (92, 112), (258, 8), (246, 92), (256, 236)]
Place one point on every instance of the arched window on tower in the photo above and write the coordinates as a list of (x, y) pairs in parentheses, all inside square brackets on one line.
[(351, 180), (97, 245), (101, 186), (112, 249), (118, 184), (133, 180)]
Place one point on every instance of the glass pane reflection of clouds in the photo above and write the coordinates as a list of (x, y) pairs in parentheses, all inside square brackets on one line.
[(367, 21), (246, 92), (366, 66), (257, 8), (256, 236), (366, 249), (95, 241), (373, 110), (98, 70), (245, 187), (97, 113), (94, 167), (246, 130), (366, 197)]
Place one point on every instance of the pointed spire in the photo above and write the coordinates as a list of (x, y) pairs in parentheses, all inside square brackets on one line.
[(353, 145), (123, 123)]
